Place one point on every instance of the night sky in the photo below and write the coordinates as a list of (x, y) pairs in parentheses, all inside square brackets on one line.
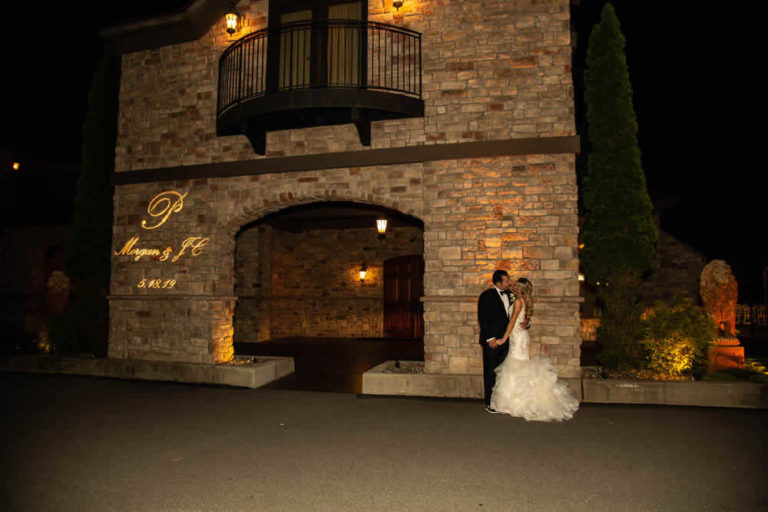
[(690, 66)]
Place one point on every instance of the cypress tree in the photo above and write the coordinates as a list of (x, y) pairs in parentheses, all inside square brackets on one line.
[(85, 326), (619, 234)]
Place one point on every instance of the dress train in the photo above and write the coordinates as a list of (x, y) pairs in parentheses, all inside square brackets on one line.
[(529, 388)]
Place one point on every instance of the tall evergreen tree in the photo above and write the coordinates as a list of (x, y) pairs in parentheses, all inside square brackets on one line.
[(88, 257), (85, 324), (619, 234)]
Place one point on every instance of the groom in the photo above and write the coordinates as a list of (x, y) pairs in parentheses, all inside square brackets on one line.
[(493, 317)]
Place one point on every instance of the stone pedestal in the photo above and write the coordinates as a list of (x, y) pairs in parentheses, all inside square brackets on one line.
[(726, 353)]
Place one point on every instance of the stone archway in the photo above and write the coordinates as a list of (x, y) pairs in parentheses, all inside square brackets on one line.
[(297, 271), (256, 199)]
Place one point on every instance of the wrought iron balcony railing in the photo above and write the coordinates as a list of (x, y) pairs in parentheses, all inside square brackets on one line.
[(324, 72)]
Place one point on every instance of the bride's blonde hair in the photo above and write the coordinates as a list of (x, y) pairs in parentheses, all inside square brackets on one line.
[(526, 293)]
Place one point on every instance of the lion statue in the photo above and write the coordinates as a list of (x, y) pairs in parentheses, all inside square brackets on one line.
[(719, 293)]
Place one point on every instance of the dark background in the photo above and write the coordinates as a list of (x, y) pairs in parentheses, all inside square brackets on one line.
[(693, 69)]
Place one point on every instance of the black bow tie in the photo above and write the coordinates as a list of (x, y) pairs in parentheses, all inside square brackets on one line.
[(507, 293)]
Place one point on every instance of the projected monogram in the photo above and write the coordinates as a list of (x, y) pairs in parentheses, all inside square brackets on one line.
[(161, 208), (163, 205)]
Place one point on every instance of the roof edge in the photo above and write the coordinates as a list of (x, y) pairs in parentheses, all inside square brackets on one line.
[(187, 25)]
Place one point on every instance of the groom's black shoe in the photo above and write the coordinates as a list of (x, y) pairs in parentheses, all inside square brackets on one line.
[(490, 410)]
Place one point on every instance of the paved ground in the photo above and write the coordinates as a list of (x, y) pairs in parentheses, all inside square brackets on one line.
[(86, 444)]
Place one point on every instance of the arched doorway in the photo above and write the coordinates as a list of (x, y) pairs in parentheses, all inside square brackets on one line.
[(300, 292)]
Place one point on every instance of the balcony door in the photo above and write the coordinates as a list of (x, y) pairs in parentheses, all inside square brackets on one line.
[(295, 49), (344, 44), (316, 44)]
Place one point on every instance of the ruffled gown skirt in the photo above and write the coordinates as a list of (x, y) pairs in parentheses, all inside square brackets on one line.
[(528, 388)]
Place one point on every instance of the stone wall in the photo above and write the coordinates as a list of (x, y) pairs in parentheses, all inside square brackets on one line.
[(517, 213), (501, 72), (313, 287), (166, 295)]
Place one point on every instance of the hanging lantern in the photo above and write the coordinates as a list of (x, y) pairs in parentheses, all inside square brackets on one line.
[(363, 271), (232, 18), (381, 227)]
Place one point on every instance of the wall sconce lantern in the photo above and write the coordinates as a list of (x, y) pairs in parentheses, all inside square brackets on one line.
[(397, 4), (16, 166), (232, 18), (363, 271), (381, 227)]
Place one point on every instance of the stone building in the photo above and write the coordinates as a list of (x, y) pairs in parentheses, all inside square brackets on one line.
[(455, 120)]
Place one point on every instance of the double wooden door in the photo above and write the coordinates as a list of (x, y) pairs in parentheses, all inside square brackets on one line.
[(403, 290)]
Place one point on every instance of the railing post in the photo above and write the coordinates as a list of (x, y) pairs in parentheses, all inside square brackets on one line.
[(362, 71)]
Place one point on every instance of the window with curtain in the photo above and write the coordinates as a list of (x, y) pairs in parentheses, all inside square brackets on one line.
[(295, 49), (344, 41)]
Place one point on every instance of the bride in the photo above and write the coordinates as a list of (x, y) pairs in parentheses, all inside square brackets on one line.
[(528, 387)]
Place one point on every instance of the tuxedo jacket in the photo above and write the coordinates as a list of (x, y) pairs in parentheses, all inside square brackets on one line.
[(491, 315)]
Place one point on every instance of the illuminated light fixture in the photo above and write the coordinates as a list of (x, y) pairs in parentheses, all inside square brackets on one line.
[(232, 18), (363, 272), (381, 227), (16, 166), (397, 4), (581, 245), (581, 276)]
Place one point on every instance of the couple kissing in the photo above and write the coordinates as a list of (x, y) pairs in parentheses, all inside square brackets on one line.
[(513, 383)]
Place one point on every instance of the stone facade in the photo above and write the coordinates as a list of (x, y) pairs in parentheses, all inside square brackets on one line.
[(301, 284), (502, 73)]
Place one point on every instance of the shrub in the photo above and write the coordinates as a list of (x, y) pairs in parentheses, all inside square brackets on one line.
[(621, 327), (677, 336)]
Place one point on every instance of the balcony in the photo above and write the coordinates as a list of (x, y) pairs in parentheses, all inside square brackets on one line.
[(316, 73)]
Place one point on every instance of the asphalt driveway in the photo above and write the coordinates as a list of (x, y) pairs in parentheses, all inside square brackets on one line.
[(87, 444)]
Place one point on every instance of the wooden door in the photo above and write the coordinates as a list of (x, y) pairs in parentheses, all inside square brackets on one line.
[(403, 289)]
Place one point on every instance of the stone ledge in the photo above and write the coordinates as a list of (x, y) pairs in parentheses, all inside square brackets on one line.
[(377, 382), (264, 371), (702, 394)]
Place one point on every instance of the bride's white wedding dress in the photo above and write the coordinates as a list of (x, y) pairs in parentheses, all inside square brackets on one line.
[(528, 387)]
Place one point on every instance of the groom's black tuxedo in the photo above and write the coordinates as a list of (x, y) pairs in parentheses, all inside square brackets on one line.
[(493, 320)]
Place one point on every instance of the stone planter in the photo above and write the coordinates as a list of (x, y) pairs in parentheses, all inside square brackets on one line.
[(381, 380), (707, 394), (253, 375)]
